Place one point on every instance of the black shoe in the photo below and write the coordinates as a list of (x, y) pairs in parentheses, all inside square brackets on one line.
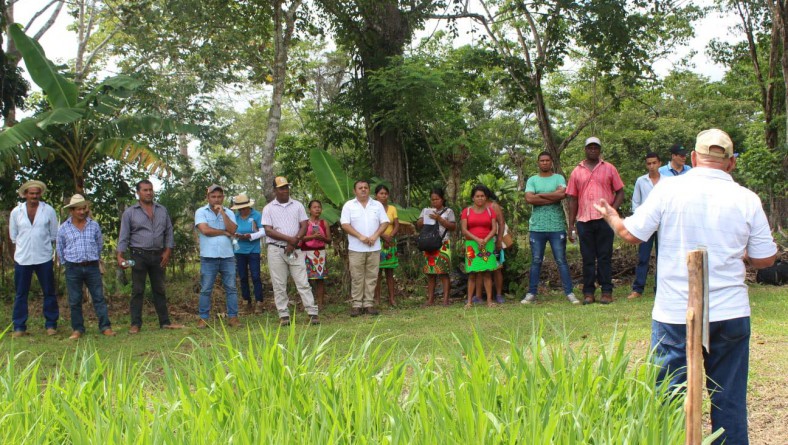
[(372, 311)]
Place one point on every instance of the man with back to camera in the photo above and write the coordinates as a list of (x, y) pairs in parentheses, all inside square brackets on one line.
[(592, 179), (545, 192), (216, 227), (705, 207), (678, 162), (284, 220), (146, 231), (32, 228), (643, 187)]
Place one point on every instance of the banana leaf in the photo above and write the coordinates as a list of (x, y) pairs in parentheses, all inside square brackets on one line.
[(331, 178), (59, 91)]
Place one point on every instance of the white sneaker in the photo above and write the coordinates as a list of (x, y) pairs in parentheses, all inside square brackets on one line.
[(572, 299), (529, 298)]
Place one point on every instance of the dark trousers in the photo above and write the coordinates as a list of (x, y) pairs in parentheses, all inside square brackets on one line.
[(641, 271), (23, 276), (596, 248), (248, 266), (90, 276), (147, 264), (726, 369)]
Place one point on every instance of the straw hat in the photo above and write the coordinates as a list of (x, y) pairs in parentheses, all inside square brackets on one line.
[(77, 201), (29, 184), (241, 201)]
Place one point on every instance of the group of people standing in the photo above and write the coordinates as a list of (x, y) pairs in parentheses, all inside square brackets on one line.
[(146, 231)]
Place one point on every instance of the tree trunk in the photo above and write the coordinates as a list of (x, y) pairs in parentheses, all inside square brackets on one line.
[(284, 26), (388, 161)]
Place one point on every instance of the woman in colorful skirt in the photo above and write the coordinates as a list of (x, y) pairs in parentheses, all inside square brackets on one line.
[(479, 226), (317, 237), (438, 263), (388, 245)]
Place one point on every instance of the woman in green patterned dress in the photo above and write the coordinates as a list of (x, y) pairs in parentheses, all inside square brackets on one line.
[(479, 226)]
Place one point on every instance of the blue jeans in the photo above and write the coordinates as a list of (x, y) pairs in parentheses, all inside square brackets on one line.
[(596, 248), (90, 276), (641, 271), (249, 264), (557, 241), (209, 269), (23, 276), (726, 370)]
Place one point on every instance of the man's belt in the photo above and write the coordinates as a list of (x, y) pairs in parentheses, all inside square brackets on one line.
[(145, 251), (85, 263)]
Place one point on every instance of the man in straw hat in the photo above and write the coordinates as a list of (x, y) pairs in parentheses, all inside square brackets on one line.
[(247, 255), (285, 221), (216, 227), (704, 207), (33, 229), (146, 231), (79, 245)]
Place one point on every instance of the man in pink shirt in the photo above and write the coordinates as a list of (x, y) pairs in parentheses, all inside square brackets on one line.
[(592, 180)]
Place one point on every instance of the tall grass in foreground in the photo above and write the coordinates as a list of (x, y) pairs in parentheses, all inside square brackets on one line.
[(290, 390)]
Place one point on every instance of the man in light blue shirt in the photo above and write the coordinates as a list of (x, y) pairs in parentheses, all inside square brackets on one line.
[(643, 187), (216, 227), (677, 164), (33, 228)]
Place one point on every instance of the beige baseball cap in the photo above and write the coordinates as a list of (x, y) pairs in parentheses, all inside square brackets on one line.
[(714, 137)]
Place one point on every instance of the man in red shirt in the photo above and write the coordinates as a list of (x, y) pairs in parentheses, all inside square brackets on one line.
[(592, 180)]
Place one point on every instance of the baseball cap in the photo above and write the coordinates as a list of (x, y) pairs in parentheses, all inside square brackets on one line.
[(714, 138), (678, 149), (280, 181), (214, 187), (593, 140)]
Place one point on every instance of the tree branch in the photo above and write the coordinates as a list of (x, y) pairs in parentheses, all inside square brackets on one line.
[(49, 22)]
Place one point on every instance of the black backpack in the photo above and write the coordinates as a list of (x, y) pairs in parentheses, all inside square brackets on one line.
[(776, 275), (430, 239)]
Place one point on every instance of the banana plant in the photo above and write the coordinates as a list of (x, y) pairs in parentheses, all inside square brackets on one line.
[(80, 125)]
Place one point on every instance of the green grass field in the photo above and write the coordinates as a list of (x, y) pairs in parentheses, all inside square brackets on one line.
[(547, 373)]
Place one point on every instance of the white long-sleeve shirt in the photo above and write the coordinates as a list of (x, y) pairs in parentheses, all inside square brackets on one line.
[(33, 241)]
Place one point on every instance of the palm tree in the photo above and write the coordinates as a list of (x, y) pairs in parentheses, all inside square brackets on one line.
[(78, 125)]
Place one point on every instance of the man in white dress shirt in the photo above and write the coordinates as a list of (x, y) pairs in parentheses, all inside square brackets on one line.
[(363, 219)]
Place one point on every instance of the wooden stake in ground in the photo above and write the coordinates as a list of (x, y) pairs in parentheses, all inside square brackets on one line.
[(697, 264)]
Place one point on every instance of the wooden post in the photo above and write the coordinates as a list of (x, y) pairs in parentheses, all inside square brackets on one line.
[(693, 403)]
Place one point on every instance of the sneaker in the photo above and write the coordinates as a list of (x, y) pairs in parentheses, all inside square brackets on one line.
[(314, 320), (529, 298), (572, 299), (284, 321), (500, 299)]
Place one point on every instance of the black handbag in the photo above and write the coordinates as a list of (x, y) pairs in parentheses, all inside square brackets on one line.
[(430, 239)]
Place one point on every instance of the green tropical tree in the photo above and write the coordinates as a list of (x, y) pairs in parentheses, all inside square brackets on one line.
[(77, 125)]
